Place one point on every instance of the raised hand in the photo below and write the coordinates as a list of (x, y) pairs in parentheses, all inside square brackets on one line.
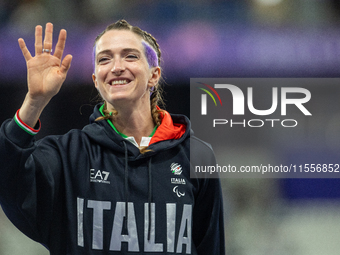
[(45, 72)]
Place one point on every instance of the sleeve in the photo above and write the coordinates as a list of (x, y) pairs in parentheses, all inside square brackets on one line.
[(208, 227), (28, 180)]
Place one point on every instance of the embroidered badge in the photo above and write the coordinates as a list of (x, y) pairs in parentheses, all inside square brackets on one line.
[(176, 168)]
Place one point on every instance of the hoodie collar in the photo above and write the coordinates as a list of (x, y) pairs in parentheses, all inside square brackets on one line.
[(166, 131), (173, 129)]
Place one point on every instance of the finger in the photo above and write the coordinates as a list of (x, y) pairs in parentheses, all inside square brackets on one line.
[(59, 48), (66, 64), (25, 51), (48, 36), (38, 40)]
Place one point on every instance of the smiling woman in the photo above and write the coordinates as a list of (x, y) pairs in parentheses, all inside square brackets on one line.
[(96, 190), (124, 80), (124, 58)]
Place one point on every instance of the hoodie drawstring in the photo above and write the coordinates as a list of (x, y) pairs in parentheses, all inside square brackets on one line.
[(126, 185)]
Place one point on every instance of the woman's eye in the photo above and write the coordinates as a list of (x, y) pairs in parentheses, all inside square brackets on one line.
[(103, 60), (131, 56)]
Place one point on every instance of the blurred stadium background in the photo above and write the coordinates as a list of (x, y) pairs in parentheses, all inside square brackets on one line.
[(202, 38)]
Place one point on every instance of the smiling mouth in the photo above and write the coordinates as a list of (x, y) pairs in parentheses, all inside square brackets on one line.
[(119, 82)]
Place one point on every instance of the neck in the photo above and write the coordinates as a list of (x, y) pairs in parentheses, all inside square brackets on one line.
[(137, 122)]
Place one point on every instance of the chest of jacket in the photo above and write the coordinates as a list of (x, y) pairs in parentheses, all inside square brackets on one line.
[(152, 196)]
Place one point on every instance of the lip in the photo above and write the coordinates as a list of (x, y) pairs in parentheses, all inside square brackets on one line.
[(119, 79)]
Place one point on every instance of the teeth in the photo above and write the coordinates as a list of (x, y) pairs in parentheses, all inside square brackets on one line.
[(118, 82)]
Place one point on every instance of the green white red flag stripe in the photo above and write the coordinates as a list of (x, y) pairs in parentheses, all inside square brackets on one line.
[(24, 126)]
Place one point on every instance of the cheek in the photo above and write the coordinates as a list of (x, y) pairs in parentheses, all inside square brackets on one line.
[(101, 72)]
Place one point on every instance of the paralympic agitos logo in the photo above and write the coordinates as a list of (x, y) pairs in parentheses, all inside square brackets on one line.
[(217, 91)]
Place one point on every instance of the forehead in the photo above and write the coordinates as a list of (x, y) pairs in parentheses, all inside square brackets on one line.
[(119, 39)]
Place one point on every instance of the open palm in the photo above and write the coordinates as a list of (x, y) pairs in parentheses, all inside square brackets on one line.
[(45, 72)]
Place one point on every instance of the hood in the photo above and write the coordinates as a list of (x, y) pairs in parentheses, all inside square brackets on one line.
[(172, 131)]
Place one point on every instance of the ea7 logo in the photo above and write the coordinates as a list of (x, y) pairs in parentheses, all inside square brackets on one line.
[(238, 100), (99, 176)]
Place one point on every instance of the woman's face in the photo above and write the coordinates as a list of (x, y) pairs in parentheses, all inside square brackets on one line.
[(122, 74)]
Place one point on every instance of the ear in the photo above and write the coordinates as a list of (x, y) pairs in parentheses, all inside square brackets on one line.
[(155, 76), (94, 78)]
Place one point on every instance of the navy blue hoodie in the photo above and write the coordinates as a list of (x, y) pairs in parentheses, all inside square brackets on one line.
[(72, 192)]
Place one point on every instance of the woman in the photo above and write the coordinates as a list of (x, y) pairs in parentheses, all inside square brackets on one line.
[(122, 184)]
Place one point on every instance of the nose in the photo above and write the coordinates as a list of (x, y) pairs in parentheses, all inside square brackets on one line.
[(118, 67)]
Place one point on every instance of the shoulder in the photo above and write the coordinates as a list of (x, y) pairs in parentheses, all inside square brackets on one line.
[(201, 152), (195, 142), (197, 145), (74, 137)]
